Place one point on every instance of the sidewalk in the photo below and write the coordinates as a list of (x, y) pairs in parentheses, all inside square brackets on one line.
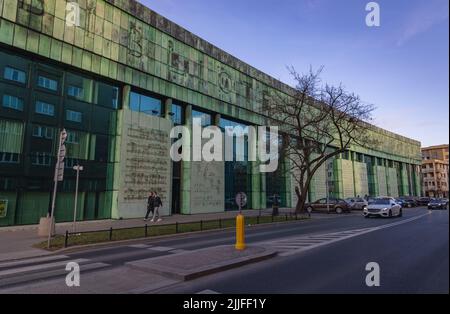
[(16, 241)]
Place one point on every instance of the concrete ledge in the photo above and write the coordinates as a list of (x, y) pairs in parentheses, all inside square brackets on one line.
[(190, 265)]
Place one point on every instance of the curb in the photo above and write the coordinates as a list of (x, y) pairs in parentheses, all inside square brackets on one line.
[(187, 275)]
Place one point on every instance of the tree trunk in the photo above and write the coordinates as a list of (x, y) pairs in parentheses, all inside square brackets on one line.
[(301, 199)]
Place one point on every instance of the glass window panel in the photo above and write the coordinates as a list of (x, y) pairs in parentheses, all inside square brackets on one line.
[(145, 104), (107, 95), (11, 136), (150, 106), (177, 114), (15, 75), (45, 108), (47, 83), (12, 102), (74, 116), (134, 102), (76, 92), (205, 117)]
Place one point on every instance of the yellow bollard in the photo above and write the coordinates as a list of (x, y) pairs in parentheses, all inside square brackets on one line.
[(240, 234)]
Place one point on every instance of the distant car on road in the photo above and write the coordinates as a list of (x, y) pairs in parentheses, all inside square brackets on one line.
[(356, 203), (409, 202), (423, 201), (437, 203), (336, 205), (383, 207)]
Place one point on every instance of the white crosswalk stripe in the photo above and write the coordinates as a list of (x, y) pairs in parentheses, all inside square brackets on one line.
[(42, 268), (32, 260), (171, 250), (297, 244)]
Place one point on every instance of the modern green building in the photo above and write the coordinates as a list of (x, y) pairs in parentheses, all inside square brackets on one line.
[(118, 79)]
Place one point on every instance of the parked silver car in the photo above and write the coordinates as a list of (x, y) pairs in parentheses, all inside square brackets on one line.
[(356, 203)]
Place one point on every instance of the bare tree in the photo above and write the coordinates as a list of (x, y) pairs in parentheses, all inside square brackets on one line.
[(318, 123)]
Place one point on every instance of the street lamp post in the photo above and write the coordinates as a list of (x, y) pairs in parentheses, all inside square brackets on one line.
[(77, 168)]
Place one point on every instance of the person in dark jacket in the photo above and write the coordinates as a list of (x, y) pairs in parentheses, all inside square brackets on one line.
[(157, 205), (150, 205)]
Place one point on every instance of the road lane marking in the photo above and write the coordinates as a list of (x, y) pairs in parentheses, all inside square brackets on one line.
[(140, 246), (208, 291), (162, 248), (179, 251)]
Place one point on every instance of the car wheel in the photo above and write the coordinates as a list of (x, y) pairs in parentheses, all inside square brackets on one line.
[(309, 209), (400, 213), (339, 210)]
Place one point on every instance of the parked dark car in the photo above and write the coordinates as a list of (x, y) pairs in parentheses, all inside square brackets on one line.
[(423, 201), (336, 205), (437, 203), (409, 202), (400, 202)]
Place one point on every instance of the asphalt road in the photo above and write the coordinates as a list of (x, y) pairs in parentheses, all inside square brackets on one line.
[(413, 257)]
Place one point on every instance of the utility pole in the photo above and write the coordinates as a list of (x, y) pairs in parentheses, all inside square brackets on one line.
[(59, 175), (77, 168)]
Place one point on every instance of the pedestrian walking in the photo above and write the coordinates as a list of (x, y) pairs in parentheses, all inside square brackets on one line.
[(150, 205), (158, 204)]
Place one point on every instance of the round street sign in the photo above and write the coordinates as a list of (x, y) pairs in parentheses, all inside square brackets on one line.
[(241, 199)]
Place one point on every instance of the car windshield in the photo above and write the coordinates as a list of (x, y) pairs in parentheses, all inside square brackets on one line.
[(380, 202), (435, 201)]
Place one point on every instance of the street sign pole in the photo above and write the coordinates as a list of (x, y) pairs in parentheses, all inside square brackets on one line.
[(77, 168), (59, 171)]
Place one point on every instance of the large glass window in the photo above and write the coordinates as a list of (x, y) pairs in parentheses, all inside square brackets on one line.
[(76, 92), (74, 116), (205, 117), (12, 102), (47, 83), (236, 172), (176, 114), (145, 104), (72, 137), (45, 108), (107, 95), (79, 87), (42, 131), (9, 158), (15, 75), (41, 158), (11, 136)]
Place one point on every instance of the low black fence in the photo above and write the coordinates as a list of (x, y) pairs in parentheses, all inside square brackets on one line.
[(177, 227)]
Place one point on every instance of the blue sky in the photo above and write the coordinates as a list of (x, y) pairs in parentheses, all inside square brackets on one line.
[(401, 66)]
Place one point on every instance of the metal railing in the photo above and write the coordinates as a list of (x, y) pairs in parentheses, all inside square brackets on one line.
[(195, 226)]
